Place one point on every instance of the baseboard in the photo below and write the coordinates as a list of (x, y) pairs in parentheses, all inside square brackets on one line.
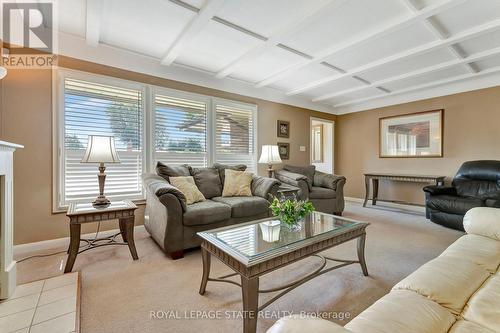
[(23, 250), (417, 209)]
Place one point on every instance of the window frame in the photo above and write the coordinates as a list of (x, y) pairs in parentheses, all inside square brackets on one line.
[(148, 124)]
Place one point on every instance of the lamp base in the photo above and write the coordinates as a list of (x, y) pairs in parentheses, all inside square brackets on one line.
[(101, 202)]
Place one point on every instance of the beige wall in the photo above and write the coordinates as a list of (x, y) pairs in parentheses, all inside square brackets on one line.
[(471, 131), (26, 118)]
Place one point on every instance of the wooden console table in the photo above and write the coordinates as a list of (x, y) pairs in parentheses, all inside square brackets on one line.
[(375, 177)]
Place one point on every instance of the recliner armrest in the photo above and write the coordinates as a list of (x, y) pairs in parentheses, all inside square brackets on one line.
[(300, 324), (264, 187), (327, 180), (440, 190)]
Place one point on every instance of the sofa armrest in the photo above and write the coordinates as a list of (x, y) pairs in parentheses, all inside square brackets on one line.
[(440, 190), (300, 324), (159, 186), (326, 180), (294, 179), (483, 221), (264, 187)]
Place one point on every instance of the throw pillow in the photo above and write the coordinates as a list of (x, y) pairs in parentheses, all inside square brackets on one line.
[(307, 171), (222, 169), (167, 171), (237, 184), (187, 186), (208, 181)]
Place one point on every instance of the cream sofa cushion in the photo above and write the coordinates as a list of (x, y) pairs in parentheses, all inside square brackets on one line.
[(448, 281), (481, 250), (402, 311), (187, 186), (483, 307), (237, 184), (483, 221), (301, 324), (464, 326)]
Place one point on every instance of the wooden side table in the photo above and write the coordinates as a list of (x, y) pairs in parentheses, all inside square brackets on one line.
[(80, 213)]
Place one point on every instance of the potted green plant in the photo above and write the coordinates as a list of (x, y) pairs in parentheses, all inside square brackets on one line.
[(291, 211)]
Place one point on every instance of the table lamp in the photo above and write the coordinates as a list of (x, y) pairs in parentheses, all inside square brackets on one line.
[(101, 149), (270, 155)]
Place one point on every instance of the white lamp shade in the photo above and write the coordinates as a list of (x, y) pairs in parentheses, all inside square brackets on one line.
[(100, 149), (270, 155), (3, 72)]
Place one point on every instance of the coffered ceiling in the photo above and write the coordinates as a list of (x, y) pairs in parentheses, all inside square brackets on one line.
[(331, 55)]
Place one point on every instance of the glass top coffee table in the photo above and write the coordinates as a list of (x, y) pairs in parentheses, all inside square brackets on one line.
[(256, 248)]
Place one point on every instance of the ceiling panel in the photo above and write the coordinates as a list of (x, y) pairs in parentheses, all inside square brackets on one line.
[(334, 86), (426, 78), (481, 43), (305, 75), (468, 15), (147, 27), (195, 3), (407, 65), (274, 59), (488, 63), (368, 92), (215, 47), (382, 47), (337, 24), (70, 18), (265, 17)]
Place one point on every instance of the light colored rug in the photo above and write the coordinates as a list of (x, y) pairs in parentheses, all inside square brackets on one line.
[(118, 294)]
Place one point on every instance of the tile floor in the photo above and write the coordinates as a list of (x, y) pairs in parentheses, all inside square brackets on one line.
[(42, 306)]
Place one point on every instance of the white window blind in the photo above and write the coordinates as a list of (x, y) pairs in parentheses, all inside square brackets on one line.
[(92, 108), (234, 134), (180, 130)]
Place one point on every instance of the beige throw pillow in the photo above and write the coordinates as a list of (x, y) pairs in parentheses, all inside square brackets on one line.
[(237, 184), (186, 185)]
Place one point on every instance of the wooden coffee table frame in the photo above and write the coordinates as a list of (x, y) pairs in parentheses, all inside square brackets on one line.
[(250, 273)]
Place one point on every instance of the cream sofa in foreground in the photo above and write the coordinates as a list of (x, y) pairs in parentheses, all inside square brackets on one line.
[(458, 292)]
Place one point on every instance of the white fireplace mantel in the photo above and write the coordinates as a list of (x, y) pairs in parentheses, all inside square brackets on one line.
[(7, 263)]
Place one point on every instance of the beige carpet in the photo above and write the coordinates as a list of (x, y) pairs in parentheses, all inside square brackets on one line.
[(118, 294)]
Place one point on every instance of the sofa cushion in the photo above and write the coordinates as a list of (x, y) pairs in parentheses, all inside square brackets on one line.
[(464, 326), (322, 193), (167, 171), (307, 171), (453, 204), (206, 212), (483, 307), (302, 323), (448, 281), (244, 206), (237, 184), (187, 186), (222, 169), (208, 181), (402, 311)]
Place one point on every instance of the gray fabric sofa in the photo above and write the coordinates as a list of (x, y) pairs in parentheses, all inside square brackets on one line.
[(173, 224), (325, 191)]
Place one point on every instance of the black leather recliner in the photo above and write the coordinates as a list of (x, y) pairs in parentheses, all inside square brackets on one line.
[(476, 184)]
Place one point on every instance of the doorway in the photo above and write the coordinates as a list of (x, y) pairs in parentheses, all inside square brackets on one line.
[(322, 144)]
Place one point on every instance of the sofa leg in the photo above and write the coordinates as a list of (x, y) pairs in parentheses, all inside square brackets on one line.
[(177, 255), (338, 213)]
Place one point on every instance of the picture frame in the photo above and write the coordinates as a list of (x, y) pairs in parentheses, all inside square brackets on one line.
[(283, 129), (414, 135), (284, 150)]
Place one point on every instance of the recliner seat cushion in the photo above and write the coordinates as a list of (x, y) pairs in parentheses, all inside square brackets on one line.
[(322, 193), (244, 206), (206, 212), (453, 204)]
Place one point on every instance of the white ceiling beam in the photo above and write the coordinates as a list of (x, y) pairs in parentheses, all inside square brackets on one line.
[(423, 86), (428, 47), (280, 34), (393, 26), (93, 22), (438, 32), (194, 27), (430, 69)]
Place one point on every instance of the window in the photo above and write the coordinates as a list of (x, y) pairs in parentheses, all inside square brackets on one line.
[(149, 124)]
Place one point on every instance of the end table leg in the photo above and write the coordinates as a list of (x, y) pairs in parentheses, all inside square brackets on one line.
[(361, 254), (205, 256), (367, 190), (123, 229), (129, 232), (250, 295), (74, 245), (375, 191)]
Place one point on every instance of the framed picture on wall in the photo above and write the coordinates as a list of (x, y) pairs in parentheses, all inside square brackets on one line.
[(284, 150), (412, 135), (283, 129)]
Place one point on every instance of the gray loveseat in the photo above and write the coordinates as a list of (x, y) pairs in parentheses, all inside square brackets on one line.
[(325, 191), (173, 224)]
